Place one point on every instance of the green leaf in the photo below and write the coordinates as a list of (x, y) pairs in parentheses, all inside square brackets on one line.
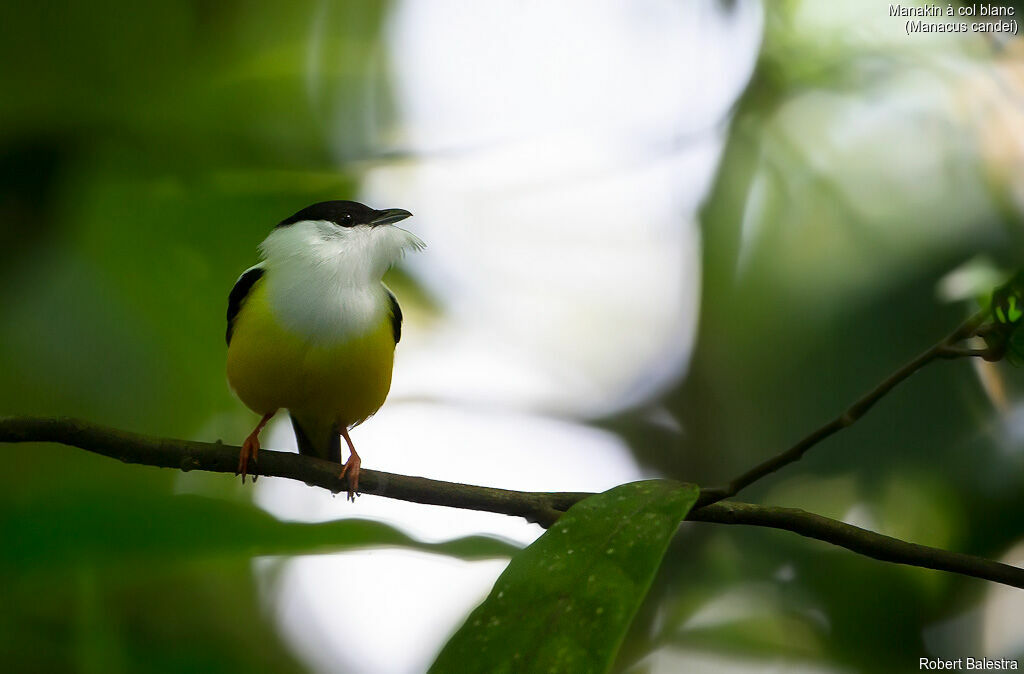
[(564, 603), (139, 529), (1008, 312), (1008, 301)]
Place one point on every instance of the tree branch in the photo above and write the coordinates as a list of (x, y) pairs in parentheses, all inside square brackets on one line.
[(944, 349), (217, 457), (861, 541), (540, 507)]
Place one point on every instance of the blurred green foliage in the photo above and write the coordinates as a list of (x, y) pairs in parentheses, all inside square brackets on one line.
[(838, 292), (142, 531), (145, 152), (144, 148), (1007, 310)]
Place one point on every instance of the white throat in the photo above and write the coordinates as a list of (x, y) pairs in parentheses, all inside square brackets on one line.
[(324, 282)]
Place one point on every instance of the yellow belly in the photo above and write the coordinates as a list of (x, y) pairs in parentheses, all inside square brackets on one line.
[(270, 368)]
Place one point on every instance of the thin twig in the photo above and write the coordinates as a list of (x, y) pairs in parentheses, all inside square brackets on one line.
[(944, 349), (861, 541), (541, 507)]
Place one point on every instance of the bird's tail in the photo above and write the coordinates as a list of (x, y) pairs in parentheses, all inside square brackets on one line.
[(316, 440)]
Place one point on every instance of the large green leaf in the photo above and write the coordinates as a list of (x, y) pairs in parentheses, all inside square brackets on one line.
[(564, 603), (136, 530)]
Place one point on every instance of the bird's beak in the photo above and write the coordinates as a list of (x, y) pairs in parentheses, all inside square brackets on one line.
[(390, 216)]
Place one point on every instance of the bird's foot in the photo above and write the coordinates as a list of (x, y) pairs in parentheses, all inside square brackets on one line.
[(351, 471), (250, 450)]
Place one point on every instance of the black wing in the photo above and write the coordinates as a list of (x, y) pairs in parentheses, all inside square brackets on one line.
[(396, 318), (238, 294)]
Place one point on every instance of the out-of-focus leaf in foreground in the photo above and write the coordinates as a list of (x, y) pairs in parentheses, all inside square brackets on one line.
[(136, 530), (564, 603)]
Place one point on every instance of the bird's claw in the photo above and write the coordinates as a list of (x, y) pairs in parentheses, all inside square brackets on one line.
[(350, 470), (250, 450)]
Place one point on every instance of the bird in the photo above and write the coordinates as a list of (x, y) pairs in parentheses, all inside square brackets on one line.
[(312, 328)]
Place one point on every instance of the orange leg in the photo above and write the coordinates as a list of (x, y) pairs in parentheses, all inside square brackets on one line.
[(351, 467), (251, 447)]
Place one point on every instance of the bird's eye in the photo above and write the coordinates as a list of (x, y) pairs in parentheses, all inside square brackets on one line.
[(345, 220)]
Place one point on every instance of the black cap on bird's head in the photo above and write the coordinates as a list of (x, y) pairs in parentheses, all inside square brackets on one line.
[(347, 214)]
